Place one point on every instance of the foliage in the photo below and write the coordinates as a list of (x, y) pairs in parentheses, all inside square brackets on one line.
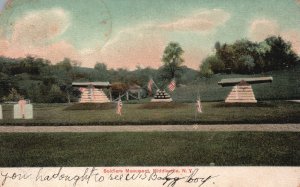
[(101, 73), (205, 68), (12, 96), (247, 57), (280, 55), (211, 65), (284, 86), (172, 61), (56, 95), (41, 82)]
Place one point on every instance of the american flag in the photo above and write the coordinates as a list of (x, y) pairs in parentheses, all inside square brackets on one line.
[(119, 107), (150, 83), (172, 85), (22, 104), (198, 106), (81, 89), (93, 93)]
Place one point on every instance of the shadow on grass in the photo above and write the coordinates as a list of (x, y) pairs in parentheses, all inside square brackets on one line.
[(258, 104), (91, 106), (162, 105)]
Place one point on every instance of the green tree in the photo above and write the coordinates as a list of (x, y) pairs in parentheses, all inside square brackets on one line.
[(100, 66), (12, 96), (280, 54), (56, 95), (246, 64), (65, 65), (34, 93), (101, 72), (172, 59), (216, 64), (205, 68), (226, 53)]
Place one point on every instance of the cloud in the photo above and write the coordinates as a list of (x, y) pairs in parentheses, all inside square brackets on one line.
[(39, 27), (260, 29), (263, 28), (54, 52), (144, 44), (133, 46), (293, 36), (35, 33), (202, 21), (194, 56)]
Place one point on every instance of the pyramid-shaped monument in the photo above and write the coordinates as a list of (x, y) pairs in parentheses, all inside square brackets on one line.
[(241, 93), (92, 92), (93, 95)]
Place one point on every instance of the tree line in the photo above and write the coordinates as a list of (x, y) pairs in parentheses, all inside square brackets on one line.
[(43, 82), (247, 57)]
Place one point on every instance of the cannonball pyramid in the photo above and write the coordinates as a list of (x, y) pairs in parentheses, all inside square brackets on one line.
[(161, 96)]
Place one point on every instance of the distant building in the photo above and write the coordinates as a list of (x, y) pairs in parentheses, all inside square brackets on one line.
[(134, 91)]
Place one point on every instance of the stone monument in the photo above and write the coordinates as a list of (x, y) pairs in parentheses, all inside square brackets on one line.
[(22, 110), (92, 92), (1, 115), (242, 91)]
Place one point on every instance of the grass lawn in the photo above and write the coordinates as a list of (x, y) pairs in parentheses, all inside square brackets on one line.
[(179, 113), (150, 149)]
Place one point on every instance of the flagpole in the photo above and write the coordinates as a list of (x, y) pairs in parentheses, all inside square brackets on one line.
[(198, 97), (195, 108), (155, 84)]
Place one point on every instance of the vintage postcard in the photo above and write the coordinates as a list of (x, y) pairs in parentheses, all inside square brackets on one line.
[(149, 93)]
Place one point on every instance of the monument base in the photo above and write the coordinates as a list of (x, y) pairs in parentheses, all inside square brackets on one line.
[(93, 95), (161, 100), (241, 93), (161, 96), (28, 112)]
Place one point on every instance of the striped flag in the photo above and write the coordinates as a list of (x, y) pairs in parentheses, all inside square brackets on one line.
[(93, 93), (22, 104), (81, 89), (172, 85), (119, 107), (150, 83), (198, 106)]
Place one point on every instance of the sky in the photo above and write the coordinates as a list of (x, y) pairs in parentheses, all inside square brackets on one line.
[(132, 33)]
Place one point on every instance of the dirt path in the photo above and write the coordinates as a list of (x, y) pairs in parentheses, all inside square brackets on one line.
[(297, 101), (152, 128)]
